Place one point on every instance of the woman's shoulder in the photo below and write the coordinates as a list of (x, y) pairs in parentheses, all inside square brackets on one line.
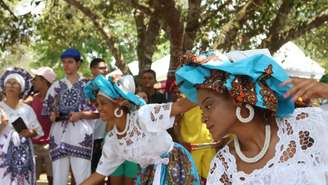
[(307, 117), (305, 131)]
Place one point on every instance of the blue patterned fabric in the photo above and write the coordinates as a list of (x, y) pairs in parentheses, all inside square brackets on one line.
[(180, 170), (263, 73), (66, 100), (22, 72), (111, 89), (18, 162)]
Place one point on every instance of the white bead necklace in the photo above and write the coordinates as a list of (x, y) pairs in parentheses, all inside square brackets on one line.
[(125, 129), (259, 155)]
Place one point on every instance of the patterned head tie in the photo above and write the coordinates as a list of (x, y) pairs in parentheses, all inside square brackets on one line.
[(121, 90), (250, 80), (23, 77)]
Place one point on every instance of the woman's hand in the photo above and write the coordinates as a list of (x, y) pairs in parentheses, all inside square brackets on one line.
[(53, 116), (305, 89), (3, 120), (182, 105), (28, 133), (94, 179)]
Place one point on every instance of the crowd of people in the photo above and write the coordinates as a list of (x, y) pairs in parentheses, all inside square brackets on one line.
[(223, 120)]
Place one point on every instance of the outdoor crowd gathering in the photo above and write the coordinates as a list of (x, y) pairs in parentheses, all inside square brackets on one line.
[(220, 116)]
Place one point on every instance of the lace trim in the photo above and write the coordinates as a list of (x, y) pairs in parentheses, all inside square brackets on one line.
[(292, 140)]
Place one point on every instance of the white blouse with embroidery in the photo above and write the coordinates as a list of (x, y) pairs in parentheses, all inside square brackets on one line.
[(146, 139), (301, 156)]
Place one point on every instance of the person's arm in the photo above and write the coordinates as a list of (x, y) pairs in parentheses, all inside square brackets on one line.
[(182, 105), (34, 126), (305, 89), (3, 120), (28, 133), (76, 116), (94, 179)]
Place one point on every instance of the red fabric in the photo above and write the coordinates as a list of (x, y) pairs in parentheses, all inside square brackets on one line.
[(43, 120)]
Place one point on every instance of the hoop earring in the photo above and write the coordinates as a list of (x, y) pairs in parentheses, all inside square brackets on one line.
[(118, 113), (250, 116)]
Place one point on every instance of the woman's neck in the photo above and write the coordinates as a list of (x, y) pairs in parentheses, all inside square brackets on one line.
[(251, 135), (120, 123), (12, 102)]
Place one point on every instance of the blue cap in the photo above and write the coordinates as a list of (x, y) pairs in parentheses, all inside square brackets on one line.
[(71, 53)]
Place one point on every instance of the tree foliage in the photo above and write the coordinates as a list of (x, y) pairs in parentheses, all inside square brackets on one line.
[(144, 30)]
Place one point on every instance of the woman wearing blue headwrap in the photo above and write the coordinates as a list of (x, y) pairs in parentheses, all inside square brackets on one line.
[(139, 135), (252, 98)]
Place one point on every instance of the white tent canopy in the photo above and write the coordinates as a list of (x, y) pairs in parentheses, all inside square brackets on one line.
[(161, 67), (296, 64)]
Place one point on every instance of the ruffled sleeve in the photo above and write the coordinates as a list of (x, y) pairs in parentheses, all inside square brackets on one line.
[(109, 160), (155, 117)]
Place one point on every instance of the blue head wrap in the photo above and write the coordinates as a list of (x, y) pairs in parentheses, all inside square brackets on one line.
[(111, 90), (252, 80)]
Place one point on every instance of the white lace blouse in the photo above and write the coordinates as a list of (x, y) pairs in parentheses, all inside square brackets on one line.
[(301, 156), (146, 139)]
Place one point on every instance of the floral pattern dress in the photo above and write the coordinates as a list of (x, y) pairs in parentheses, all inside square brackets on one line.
[(67, 138), (17, 164), (148, 144), (301, 155)]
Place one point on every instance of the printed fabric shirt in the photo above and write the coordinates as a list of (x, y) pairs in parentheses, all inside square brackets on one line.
[(73, 139)]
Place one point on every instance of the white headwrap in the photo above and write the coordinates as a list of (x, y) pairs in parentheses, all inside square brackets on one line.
[(18, 78)]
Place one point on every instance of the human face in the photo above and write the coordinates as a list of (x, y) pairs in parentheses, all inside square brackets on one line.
[(218, 112), (100, 69), (38, 83), (70, 65), (148, 80), (106, 109), (12, 88)]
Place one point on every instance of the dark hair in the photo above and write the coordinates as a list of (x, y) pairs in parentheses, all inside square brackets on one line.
[(150, 71), (94, 63)]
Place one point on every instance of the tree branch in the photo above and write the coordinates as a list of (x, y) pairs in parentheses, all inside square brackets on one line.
[(109, 38), (135, 4), (193, 24), (6, 7), (213, 13), (298, 31), (229, 31), (305, 27), (279, 22)]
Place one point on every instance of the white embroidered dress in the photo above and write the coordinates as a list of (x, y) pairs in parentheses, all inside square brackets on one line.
[(146, 139), (301, 156), (17, 165)]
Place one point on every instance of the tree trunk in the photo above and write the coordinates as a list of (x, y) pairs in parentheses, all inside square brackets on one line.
[(193, 24), (147, 37)]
